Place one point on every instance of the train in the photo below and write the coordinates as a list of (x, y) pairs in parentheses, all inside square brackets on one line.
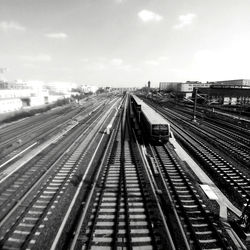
[(155, 125)]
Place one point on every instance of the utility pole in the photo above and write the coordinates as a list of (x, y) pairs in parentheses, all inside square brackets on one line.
[(195, 102)]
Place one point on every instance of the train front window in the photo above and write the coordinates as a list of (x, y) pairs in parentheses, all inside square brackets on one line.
[(164, 129), (155, 129), (160, 130)]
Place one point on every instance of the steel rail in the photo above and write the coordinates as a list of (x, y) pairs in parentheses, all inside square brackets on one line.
[(88, 201)]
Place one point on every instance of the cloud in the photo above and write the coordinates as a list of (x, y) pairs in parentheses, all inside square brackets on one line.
[(228, 62), (149, 16), (11, 25), (185, 20), (204, 55), (163, 58), (157, 61), (37, 58), (57, 35), (116, 61), (118, 64), (152, 62), (95, 66), (120, 1), (108, 64), (85, 60)]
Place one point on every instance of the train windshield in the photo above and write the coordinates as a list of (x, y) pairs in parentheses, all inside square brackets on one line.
[(160, 130)]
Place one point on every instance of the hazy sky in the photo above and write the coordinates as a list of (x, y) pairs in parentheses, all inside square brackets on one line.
[(125, 42)]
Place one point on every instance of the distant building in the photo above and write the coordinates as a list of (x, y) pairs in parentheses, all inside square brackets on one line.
[(14, 93), (229, 92), (240, 83), (59, 87), (180, 89), (17, 84), (10, 104), (11, 94), (121, 90), (18, 94), (89, 89), (3, 85), (168, 86)]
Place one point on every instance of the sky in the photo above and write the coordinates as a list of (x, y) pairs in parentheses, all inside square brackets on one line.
[(124, 43)]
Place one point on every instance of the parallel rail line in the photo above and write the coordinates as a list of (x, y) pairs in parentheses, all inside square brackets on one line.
[(35, 132), (29, 223), (236, 145), (201, 228), (222, 171), (120, 212), (216, 165)]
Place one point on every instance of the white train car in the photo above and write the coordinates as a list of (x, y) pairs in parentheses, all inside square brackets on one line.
[(156, 126)]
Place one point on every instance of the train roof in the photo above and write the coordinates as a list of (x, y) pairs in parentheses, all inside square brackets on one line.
[(152, 116), (138, 100)]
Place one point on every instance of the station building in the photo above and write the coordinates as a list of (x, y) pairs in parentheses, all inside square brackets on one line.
[(229, 92), (180, 89)]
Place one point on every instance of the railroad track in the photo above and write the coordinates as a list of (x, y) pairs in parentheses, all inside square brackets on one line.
[(230, 143), (120, 212), (119, 215), (201, 228), (47, 183), (237, 132), (222, 119), (229, 129), (233, 134), (236, 136), (221, 170), (23, 138), (36, 135), (12, 132), (26, 128), (235, 144)]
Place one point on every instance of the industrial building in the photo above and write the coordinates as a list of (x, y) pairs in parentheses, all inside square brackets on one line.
[(168, 86), (229, 92), (239, 83), (180, 89)]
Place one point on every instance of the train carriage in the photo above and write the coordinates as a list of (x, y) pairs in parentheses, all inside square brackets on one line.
[(157, 127)]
